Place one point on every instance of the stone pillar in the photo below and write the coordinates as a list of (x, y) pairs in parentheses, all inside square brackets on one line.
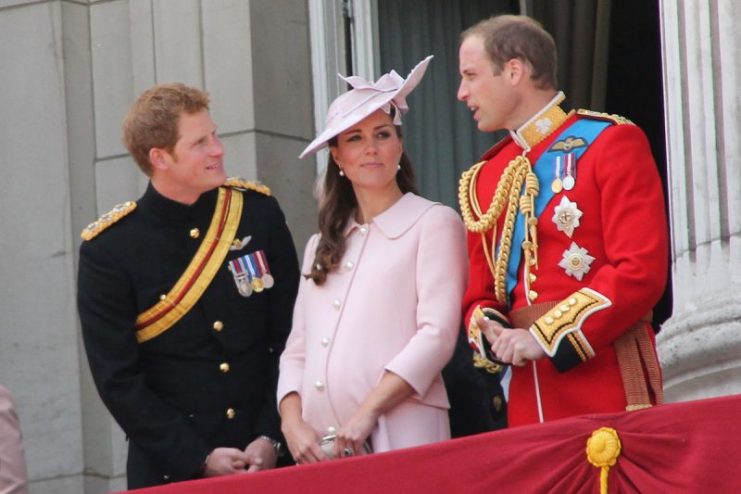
[(38, 347), (700, 346), (283, 109)]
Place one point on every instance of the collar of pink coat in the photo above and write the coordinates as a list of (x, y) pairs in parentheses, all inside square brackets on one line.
[(397, 219)]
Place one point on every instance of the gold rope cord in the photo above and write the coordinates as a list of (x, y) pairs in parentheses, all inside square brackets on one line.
[(518, 172)]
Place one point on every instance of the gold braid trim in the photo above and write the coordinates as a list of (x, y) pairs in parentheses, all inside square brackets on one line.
[(200, 272), (610, 117), (481, 363), (467, 197), (241, 183), (119, 211), (530, 242), (567, 317), (518, 172)]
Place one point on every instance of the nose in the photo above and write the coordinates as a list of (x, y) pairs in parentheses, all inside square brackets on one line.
[(217, 148), (462, 94)]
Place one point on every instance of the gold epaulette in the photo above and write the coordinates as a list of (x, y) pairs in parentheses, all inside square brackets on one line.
[(119, 211), (241, 183), (616, 119)]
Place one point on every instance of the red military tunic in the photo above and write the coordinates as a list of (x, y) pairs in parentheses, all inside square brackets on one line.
[(606, 277)]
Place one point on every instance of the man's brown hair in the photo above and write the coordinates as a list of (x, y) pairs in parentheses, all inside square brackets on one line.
[(517, 36), (152, 121)]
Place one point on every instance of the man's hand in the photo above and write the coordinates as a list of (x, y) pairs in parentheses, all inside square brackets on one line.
[(225, 461), (261, 455), (513, 346)]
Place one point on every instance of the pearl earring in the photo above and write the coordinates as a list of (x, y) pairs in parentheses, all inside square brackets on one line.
[(398, 167), (342, 173)]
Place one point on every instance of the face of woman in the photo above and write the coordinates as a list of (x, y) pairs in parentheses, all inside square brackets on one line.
[(369, 153)]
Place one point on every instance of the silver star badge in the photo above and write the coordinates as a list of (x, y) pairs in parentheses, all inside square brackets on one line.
[(576, 261), (566, 216)]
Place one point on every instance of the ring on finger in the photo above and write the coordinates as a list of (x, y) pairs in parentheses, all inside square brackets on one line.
[(347, 452)]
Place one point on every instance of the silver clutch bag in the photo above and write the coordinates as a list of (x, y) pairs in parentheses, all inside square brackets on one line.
[(327, 444)]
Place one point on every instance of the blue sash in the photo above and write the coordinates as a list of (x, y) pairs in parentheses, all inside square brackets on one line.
[(584, 128)]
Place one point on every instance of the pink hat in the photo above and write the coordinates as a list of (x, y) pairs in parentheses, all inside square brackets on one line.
[(365, 98)]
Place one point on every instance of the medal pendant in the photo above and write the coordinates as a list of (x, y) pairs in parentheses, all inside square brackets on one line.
[(268, 280), (241, 279), (244, 288), (257, 285), (570, 168), (557, 185)]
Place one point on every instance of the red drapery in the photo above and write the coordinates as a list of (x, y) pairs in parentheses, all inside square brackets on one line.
[(690, 447)]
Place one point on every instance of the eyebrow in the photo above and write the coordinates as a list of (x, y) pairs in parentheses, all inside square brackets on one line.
[(377, 127), (201, 137)]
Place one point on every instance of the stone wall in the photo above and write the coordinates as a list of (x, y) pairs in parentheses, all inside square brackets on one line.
[(68, 72)]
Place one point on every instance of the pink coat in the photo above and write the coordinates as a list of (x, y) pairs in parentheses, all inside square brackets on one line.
[(13, 478), (394, 304)]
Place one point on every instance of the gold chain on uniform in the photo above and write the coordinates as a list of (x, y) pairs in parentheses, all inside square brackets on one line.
[(518, 172)]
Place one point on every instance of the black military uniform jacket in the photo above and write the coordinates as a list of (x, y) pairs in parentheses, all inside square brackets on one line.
[(208, 381)]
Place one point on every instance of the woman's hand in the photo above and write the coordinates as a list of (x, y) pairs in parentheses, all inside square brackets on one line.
[(390, 391), (353, 434), (301, 439), (303, 443)]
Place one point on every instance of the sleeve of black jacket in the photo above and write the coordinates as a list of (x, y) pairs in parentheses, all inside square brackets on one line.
[(107, 314), (285, 270)]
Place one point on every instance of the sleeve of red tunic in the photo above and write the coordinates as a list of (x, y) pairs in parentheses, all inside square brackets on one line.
[(480, 289)]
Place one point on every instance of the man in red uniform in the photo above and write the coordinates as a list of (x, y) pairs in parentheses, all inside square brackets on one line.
[(567, 235)]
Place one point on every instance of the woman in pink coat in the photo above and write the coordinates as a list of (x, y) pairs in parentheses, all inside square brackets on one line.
[(378, 310)]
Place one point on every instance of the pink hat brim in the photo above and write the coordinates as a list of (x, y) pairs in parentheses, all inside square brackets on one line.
[(353, 106)]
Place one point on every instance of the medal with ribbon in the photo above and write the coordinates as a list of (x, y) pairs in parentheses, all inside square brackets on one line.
[(565, 173), (241, 275), (557, 184), (255, 280), (262, 262), (251, 273), (569, 168)]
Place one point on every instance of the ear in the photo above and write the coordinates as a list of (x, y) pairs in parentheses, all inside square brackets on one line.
[(516, 71), (333, 150), (159, 158)]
